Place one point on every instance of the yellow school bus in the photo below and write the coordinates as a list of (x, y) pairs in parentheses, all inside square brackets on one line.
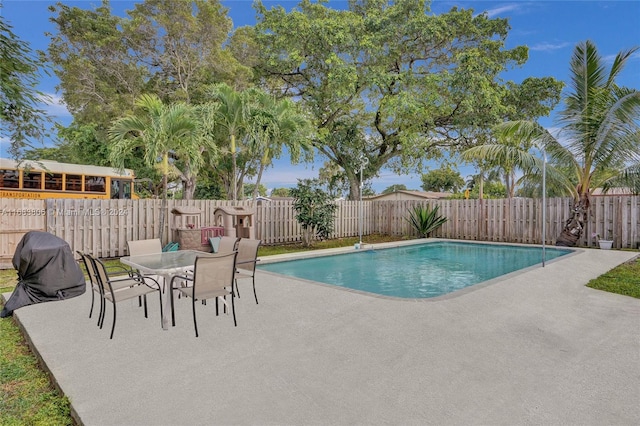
[(51, 179)]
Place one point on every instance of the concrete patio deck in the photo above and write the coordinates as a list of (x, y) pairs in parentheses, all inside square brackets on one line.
[(535, 348)]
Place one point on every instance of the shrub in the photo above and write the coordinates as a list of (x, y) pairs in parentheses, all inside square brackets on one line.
[(425, 220), (314, 210)]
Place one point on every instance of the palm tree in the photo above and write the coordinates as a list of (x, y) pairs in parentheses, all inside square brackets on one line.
[(231, 118), (160, 131), (597, 142), (272, 125)]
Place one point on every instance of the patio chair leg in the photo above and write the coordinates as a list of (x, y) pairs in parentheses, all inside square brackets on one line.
[(254, 290), (145, 306), (233, 308), (217, 307), (173, 315), (101, 314), (93, 295), (160, 297), (113, 327), (237, 289), (103, 308), (195, 322)]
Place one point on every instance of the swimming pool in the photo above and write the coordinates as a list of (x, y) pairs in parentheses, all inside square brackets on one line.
[(416, 271)]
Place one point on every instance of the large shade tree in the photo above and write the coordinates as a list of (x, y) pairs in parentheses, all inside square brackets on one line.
[(598, 142), (104, 62), (388, 80), (21, 120), (444, 179)]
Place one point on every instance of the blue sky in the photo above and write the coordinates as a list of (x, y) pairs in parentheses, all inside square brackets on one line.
[(550, 29)]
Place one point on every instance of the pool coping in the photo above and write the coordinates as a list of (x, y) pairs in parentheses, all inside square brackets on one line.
[(395, 244)]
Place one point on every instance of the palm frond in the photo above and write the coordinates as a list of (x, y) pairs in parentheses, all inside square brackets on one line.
[(619, 63), (425, 220)]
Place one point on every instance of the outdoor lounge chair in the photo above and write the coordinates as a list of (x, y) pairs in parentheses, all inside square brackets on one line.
[(212, 278), (117, 289), (246, 263)]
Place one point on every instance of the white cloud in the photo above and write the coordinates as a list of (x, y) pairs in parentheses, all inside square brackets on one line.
[(287, 176), (54, 106), (550, 46), (500, 10)]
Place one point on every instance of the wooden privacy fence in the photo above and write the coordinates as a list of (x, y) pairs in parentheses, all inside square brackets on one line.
[(103, 227)]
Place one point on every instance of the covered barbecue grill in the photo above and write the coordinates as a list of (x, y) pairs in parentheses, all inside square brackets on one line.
[(46, 270)]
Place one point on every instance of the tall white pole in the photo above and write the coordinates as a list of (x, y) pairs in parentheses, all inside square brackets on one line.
[(544, 204), (360, 208), (363, 163)]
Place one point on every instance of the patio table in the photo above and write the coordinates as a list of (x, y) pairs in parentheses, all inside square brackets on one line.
[(165, 265)]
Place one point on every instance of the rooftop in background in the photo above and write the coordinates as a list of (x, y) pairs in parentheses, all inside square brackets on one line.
[(409, 195), (613, 191)]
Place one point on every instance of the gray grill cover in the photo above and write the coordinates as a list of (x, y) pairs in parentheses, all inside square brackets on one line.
[(46, 271)]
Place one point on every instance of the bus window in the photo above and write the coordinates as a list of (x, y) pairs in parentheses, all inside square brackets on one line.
[(53, 181), (94, 184), (73, 183), (9, 179), (32, 180), (120, 189)]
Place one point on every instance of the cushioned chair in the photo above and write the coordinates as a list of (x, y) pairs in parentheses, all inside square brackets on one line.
[(246, 263), (119, 289), (212, 278)]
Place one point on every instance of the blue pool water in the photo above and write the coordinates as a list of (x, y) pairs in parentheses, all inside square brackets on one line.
[(416, 271)]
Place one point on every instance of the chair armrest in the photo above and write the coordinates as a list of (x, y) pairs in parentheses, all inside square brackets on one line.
[(180, 277), (114, 269), (144, 279)]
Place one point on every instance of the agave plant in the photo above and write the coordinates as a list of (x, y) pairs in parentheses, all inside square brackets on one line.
[(425, 220)]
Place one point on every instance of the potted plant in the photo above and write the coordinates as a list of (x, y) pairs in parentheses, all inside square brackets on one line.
[(605, 244)]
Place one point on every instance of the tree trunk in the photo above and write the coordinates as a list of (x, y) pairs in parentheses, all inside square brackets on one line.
[(188, 188), (163, 206), (354, 189), (574, 226), (263, 164), (233, 160), (307, 237), (165, 177), (258, 179)]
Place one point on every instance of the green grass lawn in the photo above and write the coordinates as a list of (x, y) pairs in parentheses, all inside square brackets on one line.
[(625, 280), (27, 396)]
